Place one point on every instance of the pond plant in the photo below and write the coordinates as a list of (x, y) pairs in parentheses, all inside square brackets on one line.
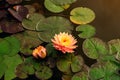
[(41, 39)]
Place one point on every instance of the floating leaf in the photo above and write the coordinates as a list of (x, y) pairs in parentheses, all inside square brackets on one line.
[(70, 63), (11, 27), (14, 2), (30, 8), (2, 13), (63, 2), (21, 10), (28, 41), (115, 77), (80, 76), (3, 68), (53, 7), (96, 73), (77, 63), (87, 31), (5, 47), (102, 71), (44, 74), (15, 14), (14, 45), (66, 77), (11, 63), (94, 48), (63, 64), (82, 15), (32, 21), (114, 46), (51, 26)]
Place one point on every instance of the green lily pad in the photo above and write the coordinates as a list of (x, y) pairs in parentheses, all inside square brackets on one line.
[(11, 63), (94, 48), (3, 68), (28, 41), (32, 21), (14, 44), (77, 63), (114, 46), (23, 70), (70, 64), (44, 73), (82, 15), (66, 77), (63, 2), (53, 7), (103, 70), (87, 31), (63, 64), (80, 76), (51, 26), (96, 73), (115, 77), (28, 67), (5, 47)]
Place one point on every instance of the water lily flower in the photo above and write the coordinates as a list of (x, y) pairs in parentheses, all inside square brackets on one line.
[(64, 42), (40, 51)]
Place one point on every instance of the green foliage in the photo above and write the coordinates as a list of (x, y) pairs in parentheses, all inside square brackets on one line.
[(32, 21), (38, 27), (87, 31), (53, 7), (82, 15), (9, 46), (80, 76), (103, 71), (8, 66), (114, 46), (44, 73), (28, 40), (63, 2), (4, 47), (51, 26), (94, 48), (70, 64)]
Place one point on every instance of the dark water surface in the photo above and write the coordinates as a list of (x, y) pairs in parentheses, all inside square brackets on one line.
[(107, 21)]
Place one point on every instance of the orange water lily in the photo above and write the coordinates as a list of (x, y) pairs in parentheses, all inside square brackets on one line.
[(40, 51), (64, 42)]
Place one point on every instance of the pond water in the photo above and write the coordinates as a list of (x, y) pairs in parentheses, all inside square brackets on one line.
[(107, 21)]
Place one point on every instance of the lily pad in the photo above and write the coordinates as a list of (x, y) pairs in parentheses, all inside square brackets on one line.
[(77, 63), (51, 26), (28, 41), (114, 46), (80, 76), (3, 68), (82, 15), (70, 64), (102, 70), (44, 73), (53, 7), (5, 47), (96, 73), (14, 44), (11, 27), (32, 21), (11, 63), (94, 48), (87, 31), (63, 2)]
